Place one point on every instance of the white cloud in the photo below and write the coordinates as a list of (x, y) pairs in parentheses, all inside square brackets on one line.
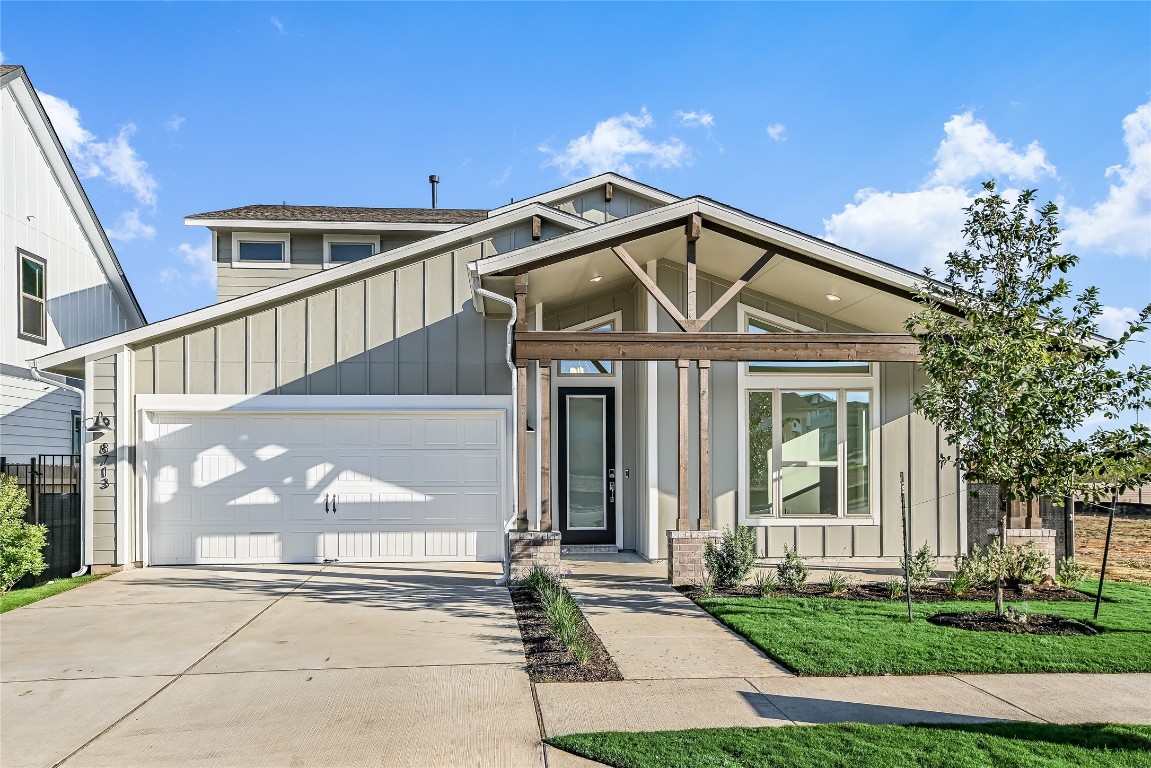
[(1114, 321), (777, 132), (970, 152), (919, 228), (502, 179), (279, 25), (131, 228), (175, 122), (114, 158), (618, 144), (695, 119), (1121, 223), (198, 265)]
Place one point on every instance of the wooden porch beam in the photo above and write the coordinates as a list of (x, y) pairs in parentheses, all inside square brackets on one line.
[(629, 345), (651, 287), (734, 290), (681, 521), (704, 445), (545, 428)]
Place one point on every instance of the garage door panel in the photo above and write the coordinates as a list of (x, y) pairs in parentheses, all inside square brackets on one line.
[(251, 488)]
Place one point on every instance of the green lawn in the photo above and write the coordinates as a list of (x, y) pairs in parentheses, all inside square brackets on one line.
[(18, 598), (828, 636), (891, 746)]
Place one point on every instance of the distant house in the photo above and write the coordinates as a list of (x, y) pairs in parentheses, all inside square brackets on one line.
[(60, 282)]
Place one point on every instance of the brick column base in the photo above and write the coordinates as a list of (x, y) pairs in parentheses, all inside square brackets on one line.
[(1044, 539), (685, 556), (529, 548)]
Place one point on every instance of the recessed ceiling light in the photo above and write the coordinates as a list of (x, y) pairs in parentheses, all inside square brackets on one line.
[(832, 297), (596, 278)]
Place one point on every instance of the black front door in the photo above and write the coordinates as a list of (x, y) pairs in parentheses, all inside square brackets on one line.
[(587, 482)]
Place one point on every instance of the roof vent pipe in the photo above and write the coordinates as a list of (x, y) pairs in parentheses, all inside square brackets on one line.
[(434, 180)]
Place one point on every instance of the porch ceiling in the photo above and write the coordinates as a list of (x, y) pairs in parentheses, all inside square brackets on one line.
[(802, 283)]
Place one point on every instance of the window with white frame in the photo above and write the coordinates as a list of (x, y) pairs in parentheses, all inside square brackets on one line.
[(32, 298), (605, 324), (343, 249), (268, 250), (807, 436)]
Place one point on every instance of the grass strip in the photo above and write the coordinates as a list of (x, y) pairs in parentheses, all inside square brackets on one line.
[(827, 636), (851, 745), (18, 598)]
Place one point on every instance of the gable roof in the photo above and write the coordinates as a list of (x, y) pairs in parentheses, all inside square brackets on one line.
[(286, 292), (329, 213), (586, 185), (16, 78)]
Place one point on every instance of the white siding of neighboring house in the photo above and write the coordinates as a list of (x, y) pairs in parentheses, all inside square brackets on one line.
[(36, 216)]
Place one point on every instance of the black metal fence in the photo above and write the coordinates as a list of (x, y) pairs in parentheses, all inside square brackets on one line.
[(52, 483)]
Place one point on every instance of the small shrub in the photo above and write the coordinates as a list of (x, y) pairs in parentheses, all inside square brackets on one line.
[(1026, 564), (538, 577), (1069, 572), (895, 588), (707, 586), (837, 582), (21, 543), (732, 561), (766, 582), (975, 568), (957, 583), (920, 567), (793, 571), (562, 613)]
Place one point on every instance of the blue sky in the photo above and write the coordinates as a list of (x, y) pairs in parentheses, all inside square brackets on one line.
[(867, 123)]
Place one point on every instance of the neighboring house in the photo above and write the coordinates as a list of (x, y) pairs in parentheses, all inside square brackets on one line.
[(678, 364), (60, 282)]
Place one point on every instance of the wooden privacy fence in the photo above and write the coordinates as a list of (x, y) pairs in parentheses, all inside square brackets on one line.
[(52, 482)]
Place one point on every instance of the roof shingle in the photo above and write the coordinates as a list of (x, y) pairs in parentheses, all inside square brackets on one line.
[(344, 213)]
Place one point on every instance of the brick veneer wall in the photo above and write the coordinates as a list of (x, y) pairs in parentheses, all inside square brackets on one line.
[(685, 555), (529, 548)]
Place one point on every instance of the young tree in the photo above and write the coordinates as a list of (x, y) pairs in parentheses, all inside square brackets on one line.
[(21, 543), (1015, 365)]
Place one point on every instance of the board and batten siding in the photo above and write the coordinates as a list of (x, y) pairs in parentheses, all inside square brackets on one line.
[(907, 443), (407, 331), (592, 206), (102, 471)]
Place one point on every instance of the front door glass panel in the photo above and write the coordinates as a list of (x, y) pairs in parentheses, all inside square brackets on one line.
[(587, 465)]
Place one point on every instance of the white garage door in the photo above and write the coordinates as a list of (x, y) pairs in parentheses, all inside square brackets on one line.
[(308, 487)]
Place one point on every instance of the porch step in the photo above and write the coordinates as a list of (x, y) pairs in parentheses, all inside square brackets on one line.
[(588, 549)]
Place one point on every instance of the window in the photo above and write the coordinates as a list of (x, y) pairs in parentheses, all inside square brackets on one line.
[(270, 250), (77, 433), (342, 249), (605, 324), (32, 297), (756, 324)]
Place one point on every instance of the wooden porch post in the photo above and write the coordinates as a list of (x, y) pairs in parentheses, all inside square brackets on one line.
[(545, 428), (522, 409), (681, 521), (704, 445)]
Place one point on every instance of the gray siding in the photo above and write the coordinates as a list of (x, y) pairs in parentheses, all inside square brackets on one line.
[(592, 206), (104, 498)]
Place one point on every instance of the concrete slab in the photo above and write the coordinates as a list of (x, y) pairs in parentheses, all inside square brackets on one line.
[(1073, 698), (43, 722), (877, 700), (191, 584), (115, 640), (557, 758), (653, 705), (432, 716)]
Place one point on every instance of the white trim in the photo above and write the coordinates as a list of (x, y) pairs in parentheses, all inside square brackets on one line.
[(283, 293), (88, 493), (616, 321), (539, 326), (122, 424), (831, 376), (746, 311), (652, 423), (283, 238), (373, 240), (625, 184), (330, 226)]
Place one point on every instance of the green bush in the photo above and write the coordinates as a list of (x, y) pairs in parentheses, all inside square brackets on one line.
[(895, 588), (706, 587), (1026, 564), (920, 567), (957, 583), (1069, 572), (733, 560), (21, 543), (837, 582), (792, 571), (1020, 564), (765, 582), (975, 567), (563, 614)]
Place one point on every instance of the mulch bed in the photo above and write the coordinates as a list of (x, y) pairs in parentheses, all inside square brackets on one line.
[(935, 593), (549, 660), (1036, 623)]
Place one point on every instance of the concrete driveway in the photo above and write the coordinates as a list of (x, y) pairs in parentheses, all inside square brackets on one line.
[(270, 665)]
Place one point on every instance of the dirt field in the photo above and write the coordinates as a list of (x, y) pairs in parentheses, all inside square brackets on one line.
[(1130, 558)]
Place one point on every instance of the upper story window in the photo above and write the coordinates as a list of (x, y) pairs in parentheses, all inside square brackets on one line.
[(342, 249), (261, 249), (605, 324), (762, 322), (32, 297)]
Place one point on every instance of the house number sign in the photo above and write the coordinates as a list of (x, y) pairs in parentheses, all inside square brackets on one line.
[(105, 456)]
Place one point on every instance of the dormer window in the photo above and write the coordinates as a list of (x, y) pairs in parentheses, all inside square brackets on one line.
[(268, 250), (33, 314), (343, 249)]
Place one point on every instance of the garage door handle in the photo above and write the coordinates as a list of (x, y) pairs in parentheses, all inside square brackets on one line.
[(334, 498), (325, 503)]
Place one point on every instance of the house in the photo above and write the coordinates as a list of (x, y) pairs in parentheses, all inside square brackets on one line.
[(59, 277), (606, 364)]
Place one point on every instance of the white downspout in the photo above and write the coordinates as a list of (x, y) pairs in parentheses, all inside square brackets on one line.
[(515, 425), (36, 374)]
